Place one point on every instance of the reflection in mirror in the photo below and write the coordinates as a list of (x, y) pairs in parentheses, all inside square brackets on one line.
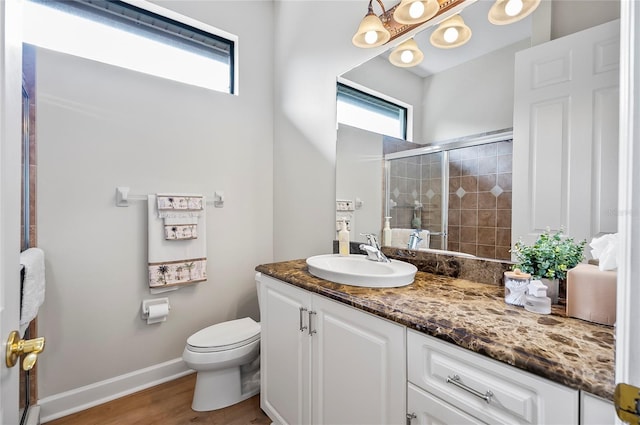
[(471, 91), (456, 194)]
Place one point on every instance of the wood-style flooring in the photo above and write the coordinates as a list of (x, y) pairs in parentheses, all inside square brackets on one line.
[(166, 404)]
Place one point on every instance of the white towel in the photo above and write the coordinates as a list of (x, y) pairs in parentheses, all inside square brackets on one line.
[(605, 250), (400, 238), (33, 285), (173, 263)]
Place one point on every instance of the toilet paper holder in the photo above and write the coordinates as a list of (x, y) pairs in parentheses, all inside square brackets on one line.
[(146, 304)]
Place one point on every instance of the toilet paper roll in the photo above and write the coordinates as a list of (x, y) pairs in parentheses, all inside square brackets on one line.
[(158, 313)]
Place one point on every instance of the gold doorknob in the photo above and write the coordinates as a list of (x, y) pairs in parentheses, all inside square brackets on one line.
[(17, 347)]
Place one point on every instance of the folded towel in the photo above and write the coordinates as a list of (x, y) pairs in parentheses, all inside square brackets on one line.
[(181, 228), (400, 238), (180, 213), (33, 285), (173, 263)]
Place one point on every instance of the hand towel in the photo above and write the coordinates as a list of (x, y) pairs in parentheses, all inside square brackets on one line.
[(33, 285), (180, 213), (174, 263)]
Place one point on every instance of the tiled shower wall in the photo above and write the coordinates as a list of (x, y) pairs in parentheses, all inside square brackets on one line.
[(479, 190), (480, 200)]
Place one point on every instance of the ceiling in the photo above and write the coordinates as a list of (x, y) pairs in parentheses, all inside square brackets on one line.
[(485, 38)]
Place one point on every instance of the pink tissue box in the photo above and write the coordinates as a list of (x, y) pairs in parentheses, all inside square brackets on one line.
[(591, 294)]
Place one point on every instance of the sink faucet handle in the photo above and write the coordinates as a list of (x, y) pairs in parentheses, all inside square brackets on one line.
[(371, 239)]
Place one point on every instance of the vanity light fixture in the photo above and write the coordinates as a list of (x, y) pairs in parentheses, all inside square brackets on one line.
[(505, 12), (451, 33), (407, 54), (371, 32), (415, 11)]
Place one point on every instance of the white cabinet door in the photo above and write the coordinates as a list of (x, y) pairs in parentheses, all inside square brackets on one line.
[(285, 353), (595, 410), (565, 135), (426, 409), (359, 373), (323, 362)]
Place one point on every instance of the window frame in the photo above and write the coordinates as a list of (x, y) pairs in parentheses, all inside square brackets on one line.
[(408, 130), (163, 14)]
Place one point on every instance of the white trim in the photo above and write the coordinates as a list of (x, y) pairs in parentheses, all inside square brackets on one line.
[(78, 399), (628, 292)]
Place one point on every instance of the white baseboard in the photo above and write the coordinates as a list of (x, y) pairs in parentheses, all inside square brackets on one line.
[(76, 400)]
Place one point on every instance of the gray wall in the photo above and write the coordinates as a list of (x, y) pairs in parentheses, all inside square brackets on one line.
[(100, 127)]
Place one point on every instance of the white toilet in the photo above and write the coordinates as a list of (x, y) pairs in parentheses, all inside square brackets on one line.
[(226, 357)]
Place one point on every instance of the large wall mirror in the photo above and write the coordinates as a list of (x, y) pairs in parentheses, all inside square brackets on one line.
[(453, 176)]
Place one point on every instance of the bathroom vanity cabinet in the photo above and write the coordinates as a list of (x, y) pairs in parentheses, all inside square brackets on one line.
[(323, 362), (469, 388), (340, 354)]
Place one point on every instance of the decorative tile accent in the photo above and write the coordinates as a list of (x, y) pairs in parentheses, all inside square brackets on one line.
[(396, 193), (496, 191), (414, 194), (460, 192), (430, 193)]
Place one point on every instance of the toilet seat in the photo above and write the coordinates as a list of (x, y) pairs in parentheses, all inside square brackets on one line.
[(224, 336)]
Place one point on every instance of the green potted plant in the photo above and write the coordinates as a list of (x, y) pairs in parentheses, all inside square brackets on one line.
[(549, 259)]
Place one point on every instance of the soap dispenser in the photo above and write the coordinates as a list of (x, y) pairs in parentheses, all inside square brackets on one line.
[(386, 232), (536, 299), (343, 239)]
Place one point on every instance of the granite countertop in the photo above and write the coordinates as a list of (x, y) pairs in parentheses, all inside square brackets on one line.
[(474, 316)]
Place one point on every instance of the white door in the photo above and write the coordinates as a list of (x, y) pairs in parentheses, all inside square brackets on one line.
[(358, 372), (284, 352), (566, 135), (628, 316), (10, 151)]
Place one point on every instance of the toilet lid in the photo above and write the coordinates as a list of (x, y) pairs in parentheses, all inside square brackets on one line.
[(225, 336)]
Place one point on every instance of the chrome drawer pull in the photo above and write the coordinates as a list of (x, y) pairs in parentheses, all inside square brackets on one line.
[(302, 328), (311, 331), (456, 381)]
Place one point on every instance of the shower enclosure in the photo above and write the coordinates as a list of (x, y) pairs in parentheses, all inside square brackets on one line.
[(460, 191)]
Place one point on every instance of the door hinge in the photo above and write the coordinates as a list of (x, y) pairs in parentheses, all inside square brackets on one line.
[(626, 399)]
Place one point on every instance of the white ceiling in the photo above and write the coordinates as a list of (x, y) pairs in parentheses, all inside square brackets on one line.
[(485, 38)]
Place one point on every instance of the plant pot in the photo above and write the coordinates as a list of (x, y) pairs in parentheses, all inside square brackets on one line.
[(553, 288)]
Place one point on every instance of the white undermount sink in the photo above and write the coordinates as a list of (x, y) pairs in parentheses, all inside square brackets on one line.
[(357, 270)]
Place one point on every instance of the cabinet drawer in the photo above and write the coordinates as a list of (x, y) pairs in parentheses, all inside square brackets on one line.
[(487, 389), (429, 410)]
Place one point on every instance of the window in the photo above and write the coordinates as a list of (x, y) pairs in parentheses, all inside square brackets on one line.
[(370, 112), (154, 41)]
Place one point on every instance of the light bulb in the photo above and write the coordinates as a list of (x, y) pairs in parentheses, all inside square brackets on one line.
[(450, 34), (406, 56), (416, 9), (370, 37), (513, 7)]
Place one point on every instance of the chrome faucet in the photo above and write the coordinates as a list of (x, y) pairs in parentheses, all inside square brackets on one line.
[(372, 248), (414, 240)]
